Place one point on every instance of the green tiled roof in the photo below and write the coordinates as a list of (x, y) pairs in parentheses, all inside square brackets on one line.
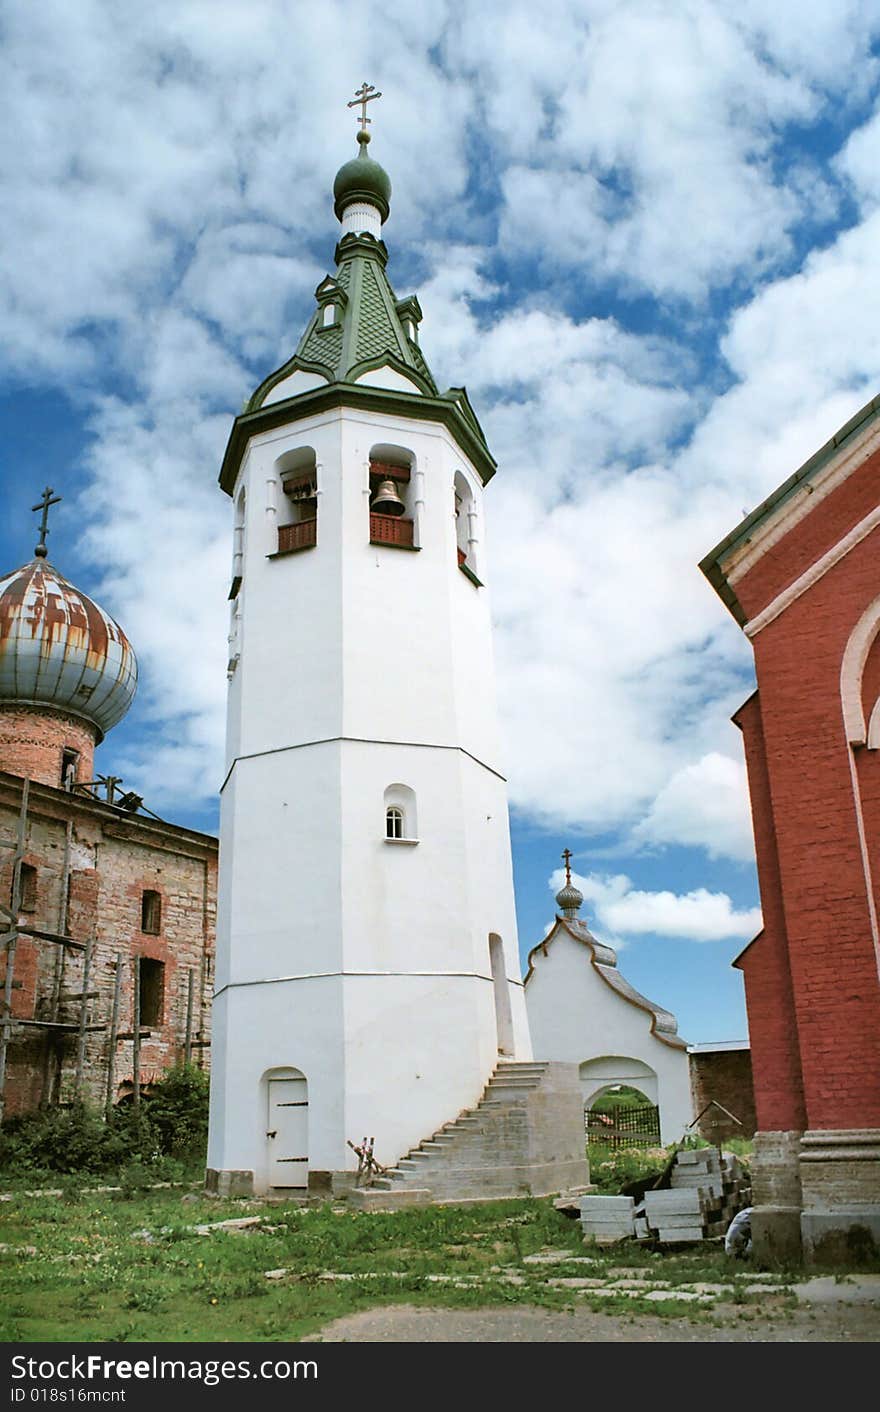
[(367, 331)]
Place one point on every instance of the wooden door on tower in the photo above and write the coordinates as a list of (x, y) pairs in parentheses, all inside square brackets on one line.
[(288, 1133)]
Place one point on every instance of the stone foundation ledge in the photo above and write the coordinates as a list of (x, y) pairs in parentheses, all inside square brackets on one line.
[(840, 1145), (229, 1183), (842, 1236)]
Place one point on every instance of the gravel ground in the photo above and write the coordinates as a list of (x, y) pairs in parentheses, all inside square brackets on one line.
[(401, 1323)]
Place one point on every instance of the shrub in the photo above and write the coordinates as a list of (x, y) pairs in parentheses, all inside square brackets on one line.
[(57, 1139), (177, 1108), (170, 1123), (612, 1167)]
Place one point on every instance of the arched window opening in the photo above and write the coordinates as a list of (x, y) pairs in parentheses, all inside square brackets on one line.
[(69, 768), (392, 500), (151, 913), (400, 814), (298, 514), (466, 531), (503, 1008), (238, 546)]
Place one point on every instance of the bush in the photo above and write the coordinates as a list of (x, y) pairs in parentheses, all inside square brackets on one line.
[(170, 1123), (57, 1139), (612, 1167), (177, 1108)]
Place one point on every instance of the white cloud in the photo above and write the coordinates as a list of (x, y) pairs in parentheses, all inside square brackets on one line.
[(693, 916), (642, 139), (167, 177), (704, 805)]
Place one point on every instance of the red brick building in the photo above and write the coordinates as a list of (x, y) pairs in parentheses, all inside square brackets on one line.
[(800, 575), (105, 911)]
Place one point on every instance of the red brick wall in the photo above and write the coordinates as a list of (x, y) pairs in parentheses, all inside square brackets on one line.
[(32, 741), (773, 1032), (809, 805), (724, 1076), (814, 535), (112, 861)]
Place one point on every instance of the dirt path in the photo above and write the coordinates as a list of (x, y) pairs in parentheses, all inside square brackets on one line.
[(401, 1323)]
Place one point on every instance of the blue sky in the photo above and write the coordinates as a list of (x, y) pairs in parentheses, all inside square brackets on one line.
[(644, 235)]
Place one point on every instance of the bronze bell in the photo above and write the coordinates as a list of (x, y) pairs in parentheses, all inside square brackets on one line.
[(386, 501)]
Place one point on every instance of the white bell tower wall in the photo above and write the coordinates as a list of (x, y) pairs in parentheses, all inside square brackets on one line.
[(362, 674)]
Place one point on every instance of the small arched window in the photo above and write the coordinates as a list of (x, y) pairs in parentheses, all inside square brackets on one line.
[(401, 825)]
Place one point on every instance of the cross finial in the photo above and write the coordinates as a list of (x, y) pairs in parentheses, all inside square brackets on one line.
[(49, 498), (364, 95), (566, 854)]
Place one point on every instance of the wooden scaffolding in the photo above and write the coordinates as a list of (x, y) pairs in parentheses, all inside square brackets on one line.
[(65, 945)]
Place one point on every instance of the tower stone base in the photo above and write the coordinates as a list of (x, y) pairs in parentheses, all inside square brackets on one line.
[(817, 1197)]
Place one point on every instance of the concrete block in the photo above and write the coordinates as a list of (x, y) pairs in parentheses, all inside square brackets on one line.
[(776, 1235), (229, 1183), (594, 1204), (684, 1199)]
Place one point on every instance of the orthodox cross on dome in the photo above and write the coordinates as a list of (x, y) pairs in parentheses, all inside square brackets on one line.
[(49, 498), (364, 95), (567, 855)]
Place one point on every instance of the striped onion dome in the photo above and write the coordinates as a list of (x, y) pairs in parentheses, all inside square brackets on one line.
[(568, 900), (60, 650)]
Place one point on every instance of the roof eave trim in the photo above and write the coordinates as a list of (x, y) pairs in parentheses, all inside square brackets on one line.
[(305, 404), (711, 564)]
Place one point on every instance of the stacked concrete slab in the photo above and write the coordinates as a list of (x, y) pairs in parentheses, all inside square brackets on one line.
[(705, 1190)]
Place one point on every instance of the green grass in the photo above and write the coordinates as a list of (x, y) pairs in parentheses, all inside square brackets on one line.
[(97, 1277)]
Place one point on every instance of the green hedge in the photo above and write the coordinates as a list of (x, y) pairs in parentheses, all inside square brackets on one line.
[(170, 1122)]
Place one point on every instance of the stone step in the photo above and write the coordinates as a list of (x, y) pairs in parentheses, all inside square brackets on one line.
[(379, 1198), (524, 1068), (453, 1160)]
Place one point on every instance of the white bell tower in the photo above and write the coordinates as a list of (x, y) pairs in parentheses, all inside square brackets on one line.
[(368, 975)]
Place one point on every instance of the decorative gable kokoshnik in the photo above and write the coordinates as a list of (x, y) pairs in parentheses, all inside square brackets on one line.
[(603, 959), (365, 328)]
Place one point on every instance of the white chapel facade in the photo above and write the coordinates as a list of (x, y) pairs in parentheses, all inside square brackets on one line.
[(367, 977)]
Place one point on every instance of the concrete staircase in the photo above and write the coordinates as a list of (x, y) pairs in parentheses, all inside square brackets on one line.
[(524, 1138)]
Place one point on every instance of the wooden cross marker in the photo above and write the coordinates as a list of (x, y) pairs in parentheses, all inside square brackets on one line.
[(566, 854), (364, 95), (49, 498)]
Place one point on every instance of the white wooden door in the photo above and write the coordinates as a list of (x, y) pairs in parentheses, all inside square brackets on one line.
[(288, 1133)]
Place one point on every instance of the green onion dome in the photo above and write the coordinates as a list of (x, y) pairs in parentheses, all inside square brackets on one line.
[(362, 179)]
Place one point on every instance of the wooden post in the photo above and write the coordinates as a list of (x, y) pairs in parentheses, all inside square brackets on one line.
[(136, 1035), (5, 1021), (83, 1019), (114, 1028), (187, 1050), (11, 937), (51, 1075)]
